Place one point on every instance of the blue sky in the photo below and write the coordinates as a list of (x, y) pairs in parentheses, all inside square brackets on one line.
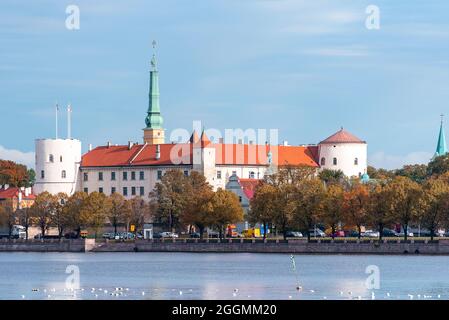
[(304, 67)]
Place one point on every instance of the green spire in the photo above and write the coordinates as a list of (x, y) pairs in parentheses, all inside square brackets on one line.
[(441, 146), (154, 119)]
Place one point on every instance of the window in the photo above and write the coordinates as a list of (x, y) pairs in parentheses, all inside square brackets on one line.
[(125, 175), (51, 158), (219, 174), (323, 161), (186, 173), (142, 191), (141, 175), (86, 190), (133, 191), (334, 161), (60, 158), (42, 174), (113, 175), (100, 176), (356, 161), (85, 176), (63, 174), (133, 175), (125, 191), (100, 189), (251, 175), (240, 198), (113, 190), (159, 174)]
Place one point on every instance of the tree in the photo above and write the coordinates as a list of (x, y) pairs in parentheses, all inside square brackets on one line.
[(356, 203), (438, 166), (406, 195), (59, 218), (119, 210), (14, 174), (8, 216), (25, 216), (140, 212), (415, 172), (332, 176), (380, 174), (333, 207), (172, 197), (379, 208), (198, 211), (309, 204), (95, 210), (31, 178), (73, 209), (43, 209), (434, 213), (263, 206), (226, 209)]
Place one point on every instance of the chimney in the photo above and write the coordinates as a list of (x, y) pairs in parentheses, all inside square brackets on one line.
[(130, 145), (250, 141), (220, 140), (158, 152), (285, 143), (109, 144), (90, 146), (240, 141)]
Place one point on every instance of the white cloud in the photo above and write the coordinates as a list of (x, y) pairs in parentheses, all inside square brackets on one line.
[(26, 158), (382, 160)]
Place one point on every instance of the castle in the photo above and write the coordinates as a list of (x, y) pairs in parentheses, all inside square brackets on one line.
[(135, 168)]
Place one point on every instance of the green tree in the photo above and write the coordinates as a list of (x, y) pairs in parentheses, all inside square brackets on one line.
[(333, 207), (171, 195), (415, 172), (44, 208), (438, 166), (226, 209), (309, 199), (119, 210), (434, 212), (332, 176), (406, 196), (263, 206), (73, 209), (198, 211)]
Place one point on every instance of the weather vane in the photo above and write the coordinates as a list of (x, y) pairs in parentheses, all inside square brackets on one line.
[(153, 60)]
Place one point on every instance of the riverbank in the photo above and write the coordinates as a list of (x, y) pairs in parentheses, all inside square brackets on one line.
[(301, 246)]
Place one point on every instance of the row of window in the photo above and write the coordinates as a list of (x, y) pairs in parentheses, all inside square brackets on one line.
[(63, 174), (251, 175), (51, 158), (334, 161), (134, 190)]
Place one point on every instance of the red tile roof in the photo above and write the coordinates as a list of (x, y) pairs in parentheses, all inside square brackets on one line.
[(342, 136), (181, 153), (13, 192), (249, 186)]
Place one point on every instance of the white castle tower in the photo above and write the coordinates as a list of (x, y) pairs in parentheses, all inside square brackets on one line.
[(343, 151), (57, 163)]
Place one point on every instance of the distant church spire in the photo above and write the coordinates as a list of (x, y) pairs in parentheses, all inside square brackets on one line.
[(441, 145), (154, 132)]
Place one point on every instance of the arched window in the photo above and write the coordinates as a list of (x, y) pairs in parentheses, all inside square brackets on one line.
[(251, 175), (323, 161), (51, 158), (60, 158), (356, 161), (63, 174), (335, 161)]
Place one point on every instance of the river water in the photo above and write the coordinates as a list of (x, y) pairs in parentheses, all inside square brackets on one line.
[(221, 276)]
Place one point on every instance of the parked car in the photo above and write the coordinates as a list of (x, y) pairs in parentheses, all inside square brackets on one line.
[(370, 234), (317, 233), (293, 234), (352, 234), (338, 234), (409, 234), (213, 234), (195, 235), (389, 233), (106, 235), (71, 235), (168, 234), (47, 236)]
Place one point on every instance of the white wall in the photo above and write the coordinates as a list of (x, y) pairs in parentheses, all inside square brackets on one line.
[(66, 156), (346, 153)]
